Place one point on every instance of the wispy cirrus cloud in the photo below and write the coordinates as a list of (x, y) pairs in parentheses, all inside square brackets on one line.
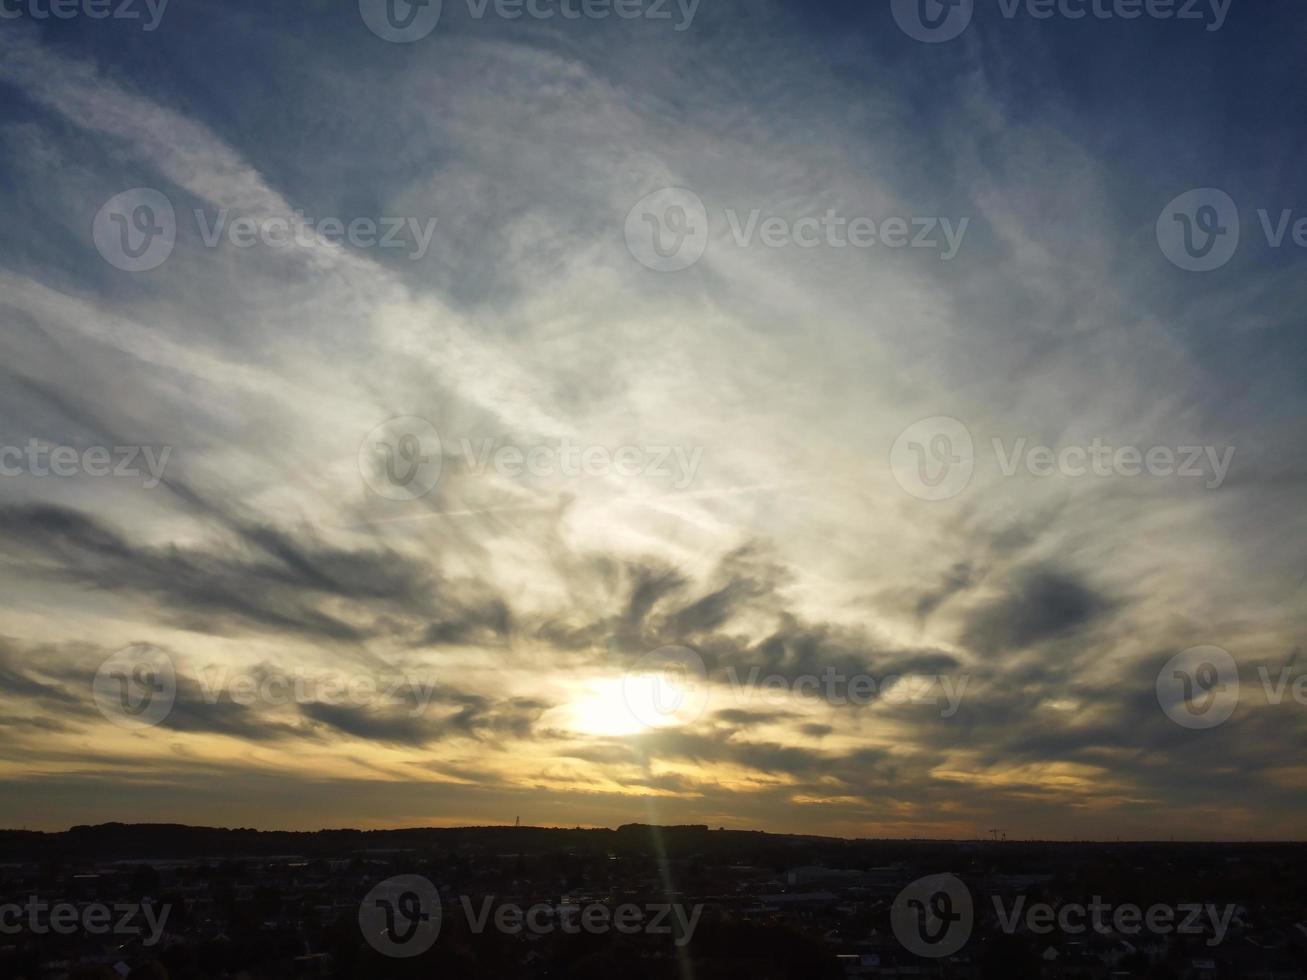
[(794, 552)]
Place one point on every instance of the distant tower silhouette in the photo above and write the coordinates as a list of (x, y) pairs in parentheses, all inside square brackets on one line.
[(519, 822), (996, 831)]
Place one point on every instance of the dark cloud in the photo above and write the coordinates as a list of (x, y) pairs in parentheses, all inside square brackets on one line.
[(796, 649), (395, 726), (1039, 604), (265, 578), (474, 717), (959, 577), (713, 610), (216, 713), (490, 623), (35, 725), (648, 586), (764, 757), (18, 682), (750, 719)]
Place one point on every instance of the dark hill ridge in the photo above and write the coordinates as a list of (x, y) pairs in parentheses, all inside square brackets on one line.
[(174, 841), (146, 842)]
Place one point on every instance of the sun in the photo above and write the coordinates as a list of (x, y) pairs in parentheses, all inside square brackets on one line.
[(603, 710), (629, 705)]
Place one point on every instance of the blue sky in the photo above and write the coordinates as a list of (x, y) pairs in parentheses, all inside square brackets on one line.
[(613, 234)]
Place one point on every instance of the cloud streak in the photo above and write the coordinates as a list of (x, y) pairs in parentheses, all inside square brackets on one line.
[(793, 552)]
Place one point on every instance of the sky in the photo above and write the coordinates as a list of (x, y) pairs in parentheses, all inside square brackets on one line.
[(875, 419)]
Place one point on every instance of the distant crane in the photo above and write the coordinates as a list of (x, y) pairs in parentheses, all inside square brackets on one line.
[(997, 831)]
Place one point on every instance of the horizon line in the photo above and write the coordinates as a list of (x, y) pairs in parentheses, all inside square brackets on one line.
[(661, 827)]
